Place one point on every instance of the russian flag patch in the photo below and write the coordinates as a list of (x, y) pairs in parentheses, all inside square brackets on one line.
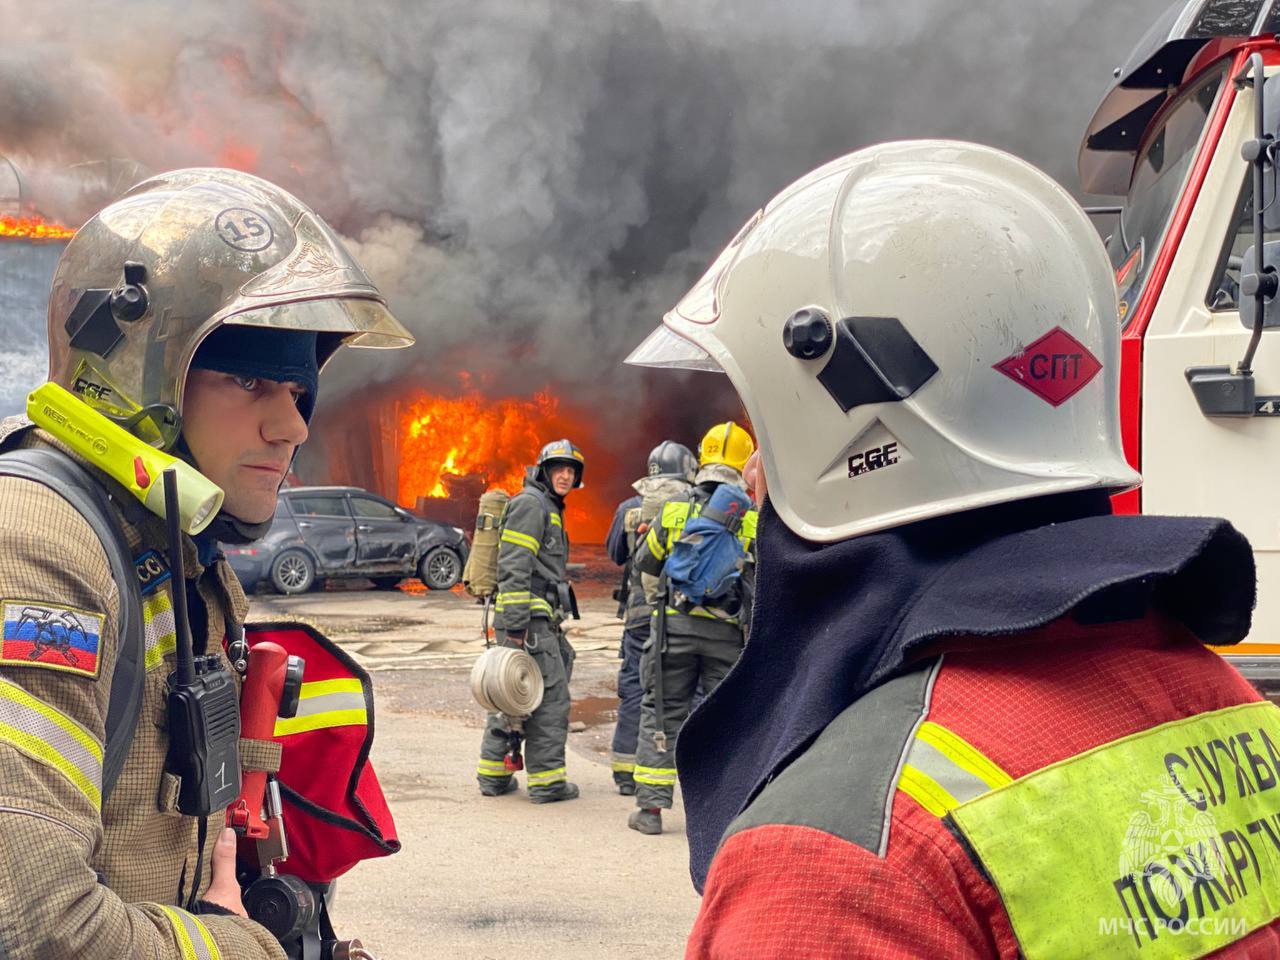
[(38, 634)]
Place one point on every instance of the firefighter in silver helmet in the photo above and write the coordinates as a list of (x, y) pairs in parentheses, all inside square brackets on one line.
[(196, 312), (669, 473), (533, 599)]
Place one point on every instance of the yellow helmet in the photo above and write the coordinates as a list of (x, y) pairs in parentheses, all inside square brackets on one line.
[(726, 443)]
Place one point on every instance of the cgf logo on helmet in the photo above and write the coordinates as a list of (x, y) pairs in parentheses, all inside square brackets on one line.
[(874, 458), (246, 230), (90, 390)]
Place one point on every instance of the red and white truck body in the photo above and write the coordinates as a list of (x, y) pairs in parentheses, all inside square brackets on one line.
[(1174, 135)]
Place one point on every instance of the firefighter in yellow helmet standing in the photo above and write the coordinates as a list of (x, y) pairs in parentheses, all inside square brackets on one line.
[(694, 640)]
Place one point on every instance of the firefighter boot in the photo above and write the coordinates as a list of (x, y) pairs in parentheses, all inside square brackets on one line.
[(494, 787), (626, 785), (648, 822), (564, 790)]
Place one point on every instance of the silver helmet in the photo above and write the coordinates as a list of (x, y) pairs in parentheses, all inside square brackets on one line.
[(148, 278)]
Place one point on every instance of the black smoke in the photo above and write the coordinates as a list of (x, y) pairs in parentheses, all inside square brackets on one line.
[(533, 183)]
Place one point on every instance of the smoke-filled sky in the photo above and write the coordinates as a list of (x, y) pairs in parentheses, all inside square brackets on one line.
[(535, 180)]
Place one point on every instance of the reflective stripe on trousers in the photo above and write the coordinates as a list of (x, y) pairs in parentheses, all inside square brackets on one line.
[(493, 768), (545, 778)]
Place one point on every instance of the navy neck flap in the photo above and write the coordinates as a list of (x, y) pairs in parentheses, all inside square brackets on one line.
[(834, 620)]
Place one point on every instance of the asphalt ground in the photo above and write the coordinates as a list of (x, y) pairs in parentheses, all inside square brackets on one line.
[(493, 877)]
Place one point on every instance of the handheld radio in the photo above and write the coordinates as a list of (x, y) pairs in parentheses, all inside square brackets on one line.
[(204, 707), (130, 462)]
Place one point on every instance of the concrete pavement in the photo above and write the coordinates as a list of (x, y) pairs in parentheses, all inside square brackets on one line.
[(493, 877)]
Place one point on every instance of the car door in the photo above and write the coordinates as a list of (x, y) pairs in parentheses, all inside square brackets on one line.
[(327, 528), (384, 538)]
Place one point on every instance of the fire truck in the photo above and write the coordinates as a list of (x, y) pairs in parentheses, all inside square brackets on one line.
[(1189, 135)]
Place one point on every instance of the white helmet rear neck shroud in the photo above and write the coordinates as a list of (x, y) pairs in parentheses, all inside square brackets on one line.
[(970, 329)]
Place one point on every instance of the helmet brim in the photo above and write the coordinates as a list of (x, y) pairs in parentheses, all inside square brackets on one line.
[(362, 321), (667, 349)]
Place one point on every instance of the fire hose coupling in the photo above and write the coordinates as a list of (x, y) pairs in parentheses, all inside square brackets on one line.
[(293, 911), (284, 904), (513, 761)]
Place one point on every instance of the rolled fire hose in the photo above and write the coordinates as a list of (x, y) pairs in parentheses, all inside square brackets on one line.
[(507, 681)]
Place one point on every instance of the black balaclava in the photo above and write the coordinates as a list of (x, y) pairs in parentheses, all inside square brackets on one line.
[(268, 353), (832, 621)]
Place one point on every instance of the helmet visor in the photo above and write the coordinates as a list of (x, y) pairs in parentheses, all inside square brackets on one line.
[(364, 321), (666, 348)]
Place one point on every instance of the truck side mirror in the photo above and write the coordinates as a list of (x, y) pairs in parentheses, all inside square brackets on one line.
[(1219, 390), (1271, 128), (1250, 280)]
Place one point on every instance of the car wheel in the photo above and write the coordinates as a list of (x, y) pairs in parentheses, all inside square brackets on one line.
[(293, 572), (386, 583), (440, 568)]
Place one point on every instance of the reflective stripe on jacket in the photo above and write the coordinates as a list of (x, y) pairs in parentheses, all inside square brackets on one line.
[(533, 553)]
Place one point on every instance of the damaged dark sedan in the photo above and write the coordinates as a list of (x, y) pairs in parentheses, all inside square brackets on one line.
[(322, 533)]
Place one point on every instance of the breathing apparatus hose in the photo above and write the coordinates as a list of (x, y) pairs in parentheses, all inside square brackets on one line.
[(507, 680), (659, 648)]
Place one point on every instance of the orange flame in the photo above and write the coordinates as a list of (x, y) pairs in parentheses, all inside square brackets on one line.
[(464, 436), (453, 448), (33, 228)]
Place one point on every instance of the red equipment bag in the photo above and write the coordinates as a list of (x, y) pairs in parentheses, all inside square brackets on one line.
[(334, 812)]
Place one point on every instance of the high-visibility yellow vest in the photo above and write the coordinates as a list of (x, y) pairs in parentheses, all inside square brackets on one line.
[(1163, 844)]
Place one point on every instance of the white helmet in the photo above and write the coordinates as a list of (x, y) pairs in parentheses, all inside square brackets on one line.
[(915, 329)]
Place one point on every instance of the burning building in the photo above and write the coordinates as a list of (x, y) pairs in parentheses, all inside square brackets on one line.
[(436, 449), (29, 251)]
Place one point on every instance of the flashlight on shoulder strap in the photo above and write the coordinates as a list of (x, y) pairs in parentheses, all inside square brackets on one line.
[(203, 704), (130, 462)]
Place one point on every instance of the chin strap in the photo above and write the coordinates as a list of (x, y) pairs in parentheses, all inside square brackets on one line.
[(225, 528), (228, 529)]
